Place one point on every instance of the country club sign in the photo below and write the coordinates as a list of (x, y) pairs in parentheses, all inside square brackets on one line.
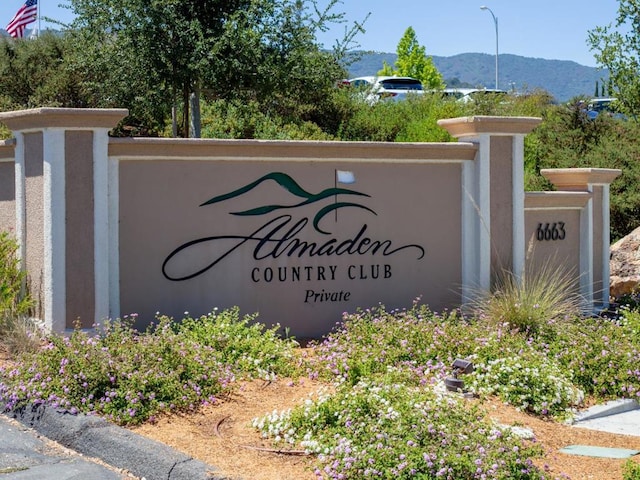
[(298, 232)]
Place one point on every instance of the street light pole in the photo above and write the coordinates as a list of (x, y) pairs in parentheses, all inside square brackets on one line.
[(495, 21)]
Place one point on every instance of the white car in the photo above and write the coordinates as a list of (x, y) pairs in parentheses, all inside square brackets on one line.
[(387, 88), (469, 94)]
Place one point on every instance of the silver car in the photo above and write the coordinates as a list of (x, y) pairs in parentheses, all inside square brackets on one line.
[(387, 88)]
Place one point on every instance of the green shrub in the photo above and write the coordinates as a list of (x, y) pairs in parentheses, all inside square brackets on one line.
[(18, 332), (253, 349), (530, 382), (371, 341), (130, 377), (631, 470), (237, 119), (381, 122), (13, 296), (386, 430), (603, 355)]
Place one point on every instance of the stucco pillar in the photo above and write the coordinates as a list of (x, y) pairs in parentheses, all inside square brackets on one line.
[(497, 191), (595, 181), (61, 188)]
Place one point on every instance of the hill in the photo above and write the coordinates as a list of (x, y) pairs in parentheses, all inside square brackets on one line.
[(562, 78)]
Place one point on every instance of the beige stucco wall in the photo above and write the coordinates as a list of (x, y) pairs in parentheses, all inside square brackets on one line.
[(417, 206), (564, 252), (555, 235), (410, 226)]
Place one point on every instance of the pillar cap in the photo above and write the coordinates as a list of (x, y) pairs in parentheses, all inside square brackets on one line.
[(476, 125), (553, 200), (46, 117), (580, 178)]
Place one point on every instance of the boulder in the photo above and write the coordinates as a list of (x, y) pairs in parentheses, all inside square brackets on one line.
[(624, 265)]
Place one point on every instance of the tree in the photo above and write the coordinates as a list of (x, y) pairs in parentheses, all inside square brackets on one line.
[(155, 57), (413, 62), (617, 48), (33, 73), (157, 45), (268, 53)]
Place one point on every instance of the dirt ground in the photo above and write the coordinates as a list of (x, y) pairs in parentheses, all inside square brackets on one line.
[(221, 435)]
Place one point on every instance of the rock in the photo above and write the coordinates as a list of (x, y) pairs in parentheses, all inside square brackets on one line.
[(624, 265)]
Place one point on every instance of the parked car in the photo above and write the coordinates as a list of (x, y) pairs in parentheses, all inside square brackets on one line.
[(470, 94), (387, 88), (603, 105)]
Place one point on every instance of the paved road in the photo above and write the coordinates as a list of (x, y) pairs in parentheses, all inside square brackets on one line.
[(26, 455)]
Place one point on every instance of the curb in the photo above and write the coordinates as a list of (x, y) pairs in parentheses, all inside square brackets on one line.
[(116, 446)]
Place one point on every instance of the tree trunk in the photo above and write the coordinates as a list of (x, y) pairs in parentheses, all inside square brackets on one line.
[(185, 112)]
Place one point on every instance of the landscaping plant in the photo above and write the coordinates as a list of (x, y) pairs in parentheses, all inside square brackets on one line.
[(130, 377), (18, 332), (385, 411), (382, 429)]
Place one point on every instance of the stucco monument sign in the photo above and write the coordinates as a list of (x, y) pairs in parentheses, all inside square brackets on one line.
[(298, 232)]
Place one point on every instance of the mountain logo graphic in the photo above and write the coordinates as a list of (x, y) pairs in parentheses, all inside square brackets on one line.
[(307, 198)]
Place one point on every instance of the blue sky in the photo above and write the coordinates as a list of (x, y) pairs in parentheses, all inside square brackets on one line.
[(551, 29)]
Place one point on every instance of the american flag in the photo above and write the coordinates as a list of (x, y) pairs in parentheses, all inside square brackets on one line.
[(27, 14)]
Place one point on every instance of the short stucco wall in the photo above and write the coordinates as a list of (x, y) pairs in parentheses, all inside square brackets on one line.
[(298, 232)]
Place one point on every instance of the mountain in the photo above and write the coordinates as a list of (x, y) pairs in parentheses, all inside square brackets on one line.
[(563, 79)]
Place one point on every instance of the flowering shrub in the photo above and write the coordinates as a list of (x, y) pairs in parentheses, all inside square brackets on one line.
[(530, 383), (253, 349), (417, 340), (129, 377), (602, 354), (381, 415), (383, 430)]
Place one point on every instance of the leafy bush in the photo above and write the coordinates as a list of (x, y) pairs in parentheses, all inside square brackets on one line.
[(631, 470), (130, 377), (237, 119), (384, 412), (13, 297), (253, 349), (385, 430), (370, 341), (603, 355), (530, 382), (18, 333)]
